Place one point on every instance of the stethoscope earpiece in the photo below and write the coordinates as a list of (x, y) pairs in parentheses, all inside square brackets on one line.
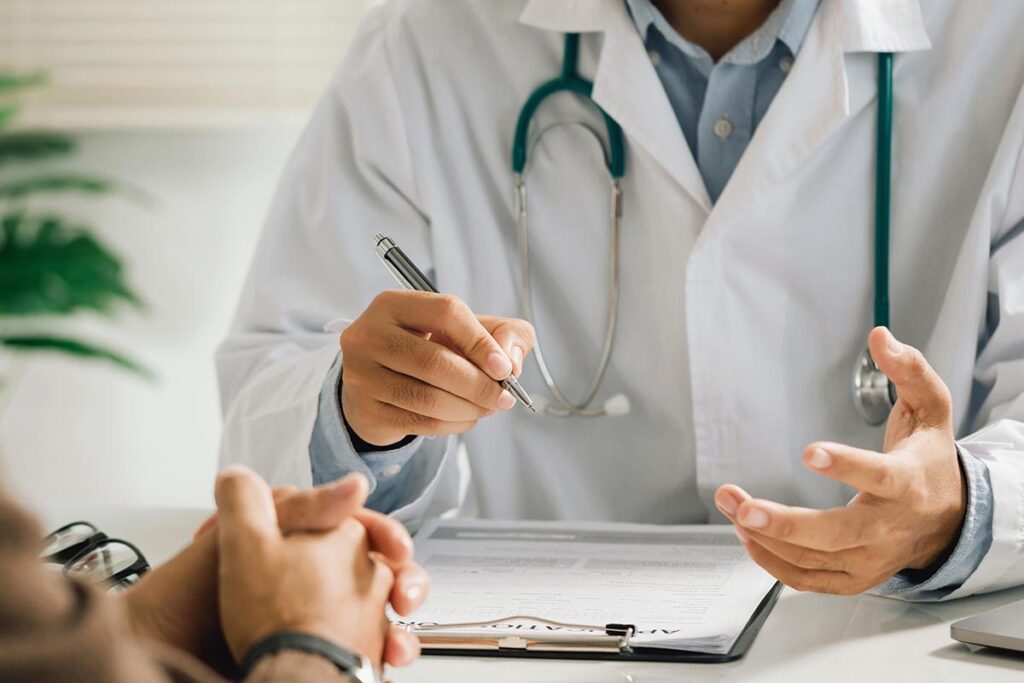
[(873, 394)]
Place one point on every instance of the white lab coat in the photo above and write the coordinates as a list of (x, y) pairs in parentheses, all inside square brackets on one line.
[(740, 322)]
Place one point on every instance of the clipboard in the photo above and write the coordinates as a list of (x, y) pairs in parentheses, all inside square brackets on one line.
[(614, 646)]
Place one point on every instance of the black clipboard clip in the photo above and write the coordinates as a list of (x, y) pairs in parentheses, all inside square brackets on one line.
[(610, 638)]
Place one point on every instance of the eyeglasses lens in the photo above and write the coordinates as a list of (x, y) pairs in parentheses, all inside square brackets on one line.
[(124, 584), (65, 538), (103, 562)]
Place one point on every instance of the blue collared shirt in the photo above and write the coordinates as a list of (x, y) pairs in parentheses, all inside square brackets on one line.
[(718, 106)]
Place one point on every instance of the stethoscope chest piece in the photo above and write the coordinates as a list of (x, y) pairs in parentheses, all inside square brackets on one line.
[(873, 394)]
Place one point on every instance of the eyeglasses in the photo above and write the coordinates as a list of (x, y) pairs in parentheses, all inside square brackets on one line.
[(86, 552)]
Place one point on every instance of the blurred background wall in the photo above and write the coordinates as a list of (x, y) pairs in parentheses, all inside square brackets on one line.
[(196, 103)]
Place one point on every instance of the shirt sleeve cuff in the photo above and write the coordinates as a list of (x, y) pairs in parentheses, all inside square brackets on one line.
[(975, 540), (333, 456)]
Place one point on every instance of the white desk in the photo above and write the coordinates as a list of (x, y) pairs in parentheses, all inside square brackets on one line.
[(807, 637)]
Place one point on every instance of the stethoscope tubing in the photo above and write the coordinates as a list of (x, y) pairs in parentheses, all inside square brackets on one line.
[(873, 394)]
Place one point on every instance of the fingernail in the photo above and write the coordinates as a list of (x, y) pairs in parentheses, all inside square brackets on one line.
[(498, 365), (820, 459), (742, 535), (517, 357), (895, 348), (414, 592), (506, 400), (727, 504), (754, 518)]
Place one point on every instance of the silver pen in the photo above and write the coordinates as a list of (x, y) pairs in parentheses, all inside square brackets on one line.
[(411, 277)]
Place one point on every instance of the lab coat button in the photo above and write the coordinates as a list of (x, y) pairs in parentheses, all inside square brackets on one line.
[(785, 64), (391, 470), (723, 128), (655, 57)]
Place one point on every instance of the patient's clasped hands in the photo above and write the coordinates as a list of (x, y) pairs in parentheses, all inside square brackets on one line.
[(283, 560)]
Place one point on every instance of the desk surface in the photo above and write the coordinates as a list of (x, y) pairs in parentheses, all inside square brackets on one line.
[(807, 637)]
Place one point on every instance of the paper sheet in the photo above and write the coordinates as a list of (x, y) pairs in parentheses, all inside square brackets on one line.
[(683, 587)]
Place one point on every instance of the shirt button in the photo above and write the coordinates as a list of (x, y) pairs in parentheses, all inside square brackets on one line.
[(391, 470), (655, 57), (785, 64), (723, 128)]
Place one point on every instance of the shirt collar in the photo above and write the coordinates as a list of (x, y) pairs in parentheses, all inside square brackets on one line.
[(788, 23)]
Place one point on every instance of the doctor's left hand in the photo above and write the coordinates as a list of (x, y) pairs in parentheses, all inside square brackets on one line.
[(911, 501)]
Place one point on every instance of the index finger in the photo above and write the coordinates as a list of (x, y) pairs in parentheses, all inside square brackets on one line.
[(324, 507), (387, 536), (832, 529), (451, 317), (394, 546), (868, 471)]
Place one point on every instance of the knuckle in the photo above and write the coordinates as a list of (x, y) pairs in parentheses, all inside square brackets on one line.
[(885, 478), (809, 559), (352, 531), (348, 338), (386, 300), (450, 306), (486, 392), (784, 527), (435, 363), (480, 345), (917, 363), (529, 334)]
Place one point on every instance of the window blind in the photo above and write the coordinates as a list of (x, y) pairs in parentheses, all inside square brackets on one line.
[(118, 63)]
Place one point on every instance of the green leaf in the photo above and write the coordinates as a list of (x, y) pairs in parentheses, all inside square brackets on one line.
[(34, 146), (53, 184), (48, 267), (10, 82), (7, 114), (75, 348)]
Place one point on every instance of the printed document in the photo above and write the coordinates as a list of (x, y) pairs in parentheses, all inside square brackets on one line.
[(682, 587)]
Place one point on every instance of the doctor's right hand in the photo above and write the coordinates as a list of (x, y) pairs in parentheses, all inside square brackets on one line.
[(418, 363)]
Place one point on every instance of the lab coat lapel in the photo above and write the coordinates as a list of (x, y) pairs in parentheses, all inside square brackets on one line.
[(626, 84), (824, 89)]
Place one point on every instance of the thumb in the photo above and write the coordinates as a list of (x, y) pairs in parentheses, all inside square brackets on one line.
[(917, 383), (516, 338), (245, 504)]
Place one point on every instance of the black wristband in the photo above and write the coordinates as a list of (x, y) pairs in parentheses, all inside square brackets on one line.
[(346, 661)]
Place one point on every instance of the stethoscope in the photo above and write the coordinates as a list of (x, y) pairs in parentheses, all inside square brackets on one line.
[(873, 393)]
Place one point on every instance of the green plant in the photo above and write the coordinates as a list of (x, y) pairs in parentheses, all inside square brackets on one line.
[(51, 266)]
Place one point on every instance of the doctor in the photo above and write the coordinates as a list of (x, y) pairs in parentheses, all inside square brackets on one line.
[(746, 278)]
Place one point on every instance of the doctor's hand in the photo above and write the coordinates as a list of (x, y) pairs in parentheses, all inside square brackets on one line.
[(911, 501), (425, 364)]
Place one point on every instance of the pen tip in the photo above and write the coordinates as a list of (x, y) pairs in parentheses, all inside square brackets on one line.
[(533, 408)]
